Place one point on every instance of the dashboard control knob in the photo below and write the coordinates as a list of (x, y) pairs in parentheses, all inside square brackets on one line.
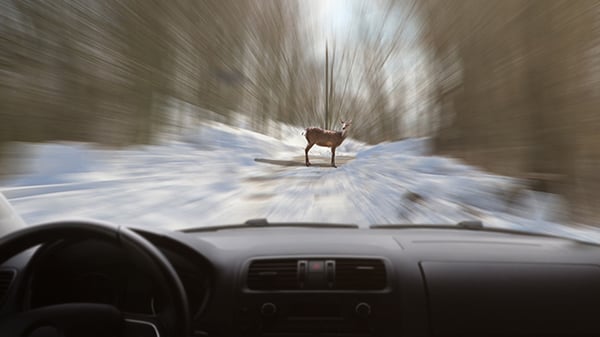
[(268, 309), (363, 309)]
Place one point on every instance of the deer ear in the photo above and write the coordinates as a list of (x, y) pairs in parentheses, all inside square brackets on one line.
[(341, 121), (349, 121)]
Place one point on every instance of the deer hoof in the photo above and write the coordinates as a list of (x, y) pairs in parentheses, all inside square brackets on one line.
[(307, 164), (333, 165)]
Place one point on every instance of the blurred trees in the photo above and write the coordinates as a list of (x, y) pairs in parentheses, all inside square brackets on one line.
[(518, 89), (116, 72), (104, 71)]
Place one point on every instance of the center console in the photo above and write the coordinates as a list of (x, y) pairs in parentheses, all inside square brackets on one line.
[(341, 296)]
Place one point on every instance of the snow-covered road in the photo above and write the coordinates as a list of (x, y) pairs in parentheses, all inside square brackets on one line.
[(225, 175)]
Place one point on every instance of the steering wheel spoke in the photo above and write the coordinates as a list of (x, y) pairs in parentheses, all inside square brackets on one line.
[(143, 325)]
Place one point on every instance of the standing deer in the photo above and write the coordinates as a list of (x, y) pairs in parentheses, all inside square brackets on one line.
[(326, 138)]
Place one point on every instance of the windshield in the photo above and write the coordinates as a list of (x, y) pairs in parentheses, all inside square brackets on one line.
[(201, 113)]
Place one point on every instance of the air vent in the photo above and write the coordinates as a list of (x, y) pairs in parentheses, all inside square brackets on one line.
[(360, 274), (317, 274), (280, 274), (6, 278)]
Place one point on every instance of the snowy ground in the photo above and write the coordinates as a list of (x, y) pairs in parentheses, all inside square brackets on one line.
[(222, 175)]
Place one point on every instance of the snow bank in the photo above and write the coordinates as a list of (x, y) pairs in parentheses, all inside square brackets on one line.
[(54, 163)]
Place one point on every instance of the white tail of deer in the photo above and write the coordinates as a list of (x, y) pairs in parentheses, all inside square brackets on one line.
[(326, 138)]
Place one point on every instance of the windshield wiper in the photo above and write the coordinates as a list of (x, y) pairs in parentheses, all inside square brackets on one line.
[(263, 223), (476, 225)]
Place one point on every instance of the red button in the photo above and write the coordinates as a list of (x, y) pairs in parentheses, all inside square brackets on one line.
[(316, 265)]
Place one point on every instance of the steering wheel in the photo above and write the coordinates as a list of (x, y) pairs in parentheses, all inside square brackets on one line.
[(91, 319)]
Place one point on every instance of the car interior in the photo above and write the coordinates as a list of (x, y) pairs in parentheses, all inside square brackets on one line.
[(89, 278), (299, 168)]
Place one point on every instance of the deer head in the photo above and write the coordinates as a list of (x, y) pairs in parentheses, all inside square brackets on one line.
[(345, 124)]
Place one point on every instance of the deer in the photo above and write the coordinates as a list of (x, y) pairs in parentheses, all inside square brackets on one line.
[(326, 138)]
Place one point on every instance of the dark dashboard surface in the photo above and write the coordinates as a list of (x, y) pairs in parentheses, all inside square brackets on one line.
[(339, 281)]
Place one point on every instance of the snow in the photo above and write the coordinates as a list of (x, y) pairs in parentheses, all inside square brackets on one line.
[(211, 177)]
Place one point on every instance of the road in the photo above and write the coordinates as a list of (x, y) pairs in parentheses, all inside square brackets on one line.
[(226, 175)]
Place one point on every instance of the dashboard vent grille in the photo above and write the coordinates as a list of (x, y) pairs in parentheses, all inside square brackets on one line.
[(280, 274), (360, 274), (6, 278)]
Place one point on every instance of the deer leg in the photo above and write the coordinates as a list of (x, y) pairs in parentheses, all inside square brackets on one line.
[(333, 157), (306, 153)]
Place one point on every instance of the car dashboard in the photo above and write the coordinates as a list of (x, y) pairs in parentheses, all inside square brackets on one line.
[(292, 281)]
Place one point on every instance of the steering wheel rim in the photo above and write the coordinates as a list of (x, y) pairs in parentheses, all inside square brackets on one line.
[(131, 242)]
